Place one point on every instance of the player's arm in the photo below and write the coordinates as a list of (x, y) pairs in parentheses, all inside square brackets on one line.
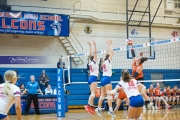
[(90, 47), (111, 50), (18, 107), (95, 51), (133, 55), (114, 91), (108, 46)]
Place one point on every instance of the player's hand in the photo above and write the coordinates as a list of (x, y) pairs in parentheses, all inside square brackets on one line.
[(89, 43), (110, 42)]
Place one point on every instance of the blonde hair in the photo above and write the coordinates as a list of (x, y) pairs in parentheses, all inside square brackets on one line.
[(9, 77)]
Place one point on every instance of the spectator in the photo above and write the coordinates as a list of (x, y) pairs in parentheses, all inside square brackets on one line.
[(21, 86), (101, 65), (48, 90), (43, 81), (88, 69), (1, 79), (60, 64), (32, 88)]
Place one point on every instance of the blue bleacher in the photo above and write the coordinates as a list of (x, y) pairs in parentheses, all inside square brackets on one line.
[(79, 93)]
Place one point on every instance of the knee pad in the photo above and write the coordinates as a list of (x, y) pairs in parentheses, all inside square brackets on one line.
[(143, 90), (101, 97), (174, 98), (177, 99), (110, 97), (92, 95)]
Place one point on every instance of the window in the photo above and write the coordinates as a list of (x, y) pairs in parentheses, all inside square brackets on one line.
[(177, 4)]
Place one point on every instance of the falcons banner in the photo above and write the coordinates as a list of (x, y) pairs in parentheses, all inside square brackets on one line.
[(32, 23)]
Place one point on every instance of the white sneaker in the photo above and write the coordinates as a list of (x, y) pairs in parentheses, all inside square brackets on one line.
[(112, 114), (98, 112), (156, 108), (153, 108), (141, 116), (149, 105)]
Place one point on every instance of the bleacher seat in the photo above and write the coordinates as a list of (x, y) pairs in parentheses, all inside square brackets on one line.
[(79, 93)]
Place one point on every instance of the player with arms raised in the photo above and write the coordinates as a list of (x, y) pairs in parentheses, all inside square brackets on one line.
[(94, 70), (106, 81)]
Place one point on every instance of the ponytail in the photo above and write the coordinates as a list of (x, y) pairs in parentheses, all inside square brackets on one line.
[(9, 77), (7, 89)]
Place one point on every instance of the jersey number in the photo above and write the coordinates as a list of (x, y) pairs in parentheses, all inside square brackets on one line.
[(131, 83), (90, 67), (104, 68)]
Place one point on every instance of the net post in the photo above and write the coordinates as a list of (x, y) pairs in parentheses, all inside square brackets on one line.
[(60, 106)]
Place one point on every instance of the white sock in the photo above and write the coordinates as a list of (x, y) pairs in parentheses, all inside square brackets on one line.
[(110, 109), (99, 107)]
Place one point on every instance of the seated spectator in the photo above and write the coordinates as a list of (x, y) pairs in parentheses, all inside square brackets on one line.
[(60, 64), (48, 90), (43, 81), (1, 79), (21, 86)]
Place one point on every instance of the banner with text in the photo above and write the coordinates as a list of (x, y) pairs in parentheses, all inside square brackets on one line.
[(24, 60), (32, 23)]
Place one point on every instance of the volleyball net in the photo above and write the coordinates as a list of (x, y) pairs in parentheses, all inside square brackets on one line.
[(163, 59)]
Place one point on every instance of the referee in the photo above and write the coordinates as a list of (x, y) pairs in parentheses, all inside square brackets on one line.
[(32, 88)]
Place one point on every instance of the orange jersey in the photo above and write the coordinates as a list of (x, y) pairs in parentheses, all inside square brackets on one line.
[(134, 68), (157, 91), (151, 92), (174, 92), (121, 94), (168, 92)]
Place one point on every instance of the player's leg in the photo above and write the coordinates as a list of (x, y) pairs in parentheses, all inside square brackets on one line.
[(4, 117), (108, 87), (173, 100), (118, 103), (138, 113), (167, 105), (89, 108), (177, 101), (131, 112), (157, 105), (102, 96)]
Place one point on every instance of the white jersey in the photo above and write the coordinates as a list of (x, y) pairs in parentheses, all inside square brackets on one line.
[(7, 101), (130, 88), (94, 68), (107, 68)]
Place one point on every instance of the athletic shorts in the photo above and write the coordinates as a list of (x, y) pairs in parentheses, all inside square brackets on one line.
[(92, 79), (136, 101), (141, 79), (105, 80), (122, 96), (2, 116)]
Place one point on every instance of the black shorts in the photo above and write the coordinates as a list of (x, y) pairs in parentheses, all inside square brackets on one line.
[(140, 79)]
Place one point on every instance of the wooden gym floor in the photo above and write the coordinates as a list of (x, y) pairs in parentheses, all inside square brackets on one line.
[(80, 114)]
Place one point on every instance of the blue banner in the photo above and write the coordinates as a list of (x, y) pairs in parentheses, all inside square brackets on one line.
[(32, 23), (60, 94), (24, 60)]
